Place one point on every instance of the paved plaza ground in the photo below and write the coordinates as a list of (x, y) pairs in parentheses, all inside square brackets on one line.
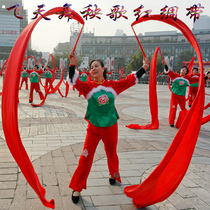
[(53, 136)]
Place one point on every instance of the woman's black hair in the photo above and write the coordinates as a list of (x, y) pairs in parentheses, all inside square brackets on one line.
[(36, 66), (186, 69), (102, 65), (195, 68)]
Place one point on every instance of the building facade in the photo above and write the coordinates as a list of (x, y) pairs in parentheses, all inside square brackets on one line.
[(123, 47), (10, 26)]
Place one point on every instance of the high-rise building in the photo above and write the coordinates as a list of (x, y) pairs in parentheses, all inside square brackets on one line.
[(202, 23), (10, 26)]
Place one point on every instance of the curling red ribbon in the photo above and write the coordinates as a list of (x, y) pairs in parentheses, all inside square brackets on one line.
[(190, 66), (56, 88), (67, 89), (152, 97), (138, 40), (50, 92), (31, 56), (10, 105), (166, 177)]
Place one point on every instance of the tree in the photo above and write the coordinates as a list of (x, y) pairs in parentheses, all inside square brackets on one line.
[(137, 62), (36, 54), (185, 55)]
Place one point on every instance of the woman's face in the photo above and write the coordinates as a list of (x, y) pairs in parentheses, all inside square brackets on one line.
[(183, 72), (194, 71), (97, 70)]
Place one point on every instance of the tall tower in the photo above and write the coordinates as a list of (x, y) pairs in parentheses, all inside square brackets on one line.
[(202, 23), (75, 28), (10, 26)]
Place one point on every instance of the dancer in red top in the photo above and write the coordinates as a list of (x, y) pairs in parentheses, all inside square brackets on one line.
[(178, 90), (102, 118), (83, 77), (34, 78), (193, 87), (48, 77), (24, 76)]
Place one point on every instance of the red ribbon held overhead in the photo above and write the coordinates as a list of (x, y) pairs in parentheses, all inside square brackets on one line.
[(10, 105), (152, 97), (166, 177)]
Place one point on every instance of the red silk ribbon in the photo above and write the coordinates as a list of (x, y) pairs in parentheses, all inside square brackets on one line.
[(152, 97), (10, 105), (166, 177)]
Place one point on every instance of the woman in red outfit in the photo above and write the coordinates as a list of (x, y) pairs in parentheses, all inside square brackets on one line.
[(193, 88), (102, 118)]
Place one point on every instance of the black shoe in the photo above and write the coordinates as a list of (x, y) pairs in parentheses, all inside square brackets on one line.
[(30, 101), (75, 199), (112, 181), (172, 126)]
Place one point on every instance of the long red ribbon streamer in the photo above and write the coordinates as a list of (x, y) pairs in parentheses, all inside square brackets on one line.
[(10, 105), (152, 97), (166, 177), (190, 66)]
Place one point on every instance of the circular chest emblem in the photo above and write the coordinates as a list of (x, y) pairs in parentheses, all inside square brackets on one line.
[(181, 82), (103, 99)]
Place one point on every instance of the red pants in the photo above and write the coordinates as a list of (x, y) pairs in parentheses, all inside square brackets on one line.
[(48, 81), (175, 99), (192, 94), (109, 136), (37, 89), (24, 79)]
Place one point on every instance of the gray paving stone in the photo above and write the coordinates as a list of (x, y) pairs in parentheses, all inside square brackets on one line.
[(7, 193), (49, 176), (102, 190), (8, 177), (47, 159), (67, 204), (60, 164), (8, 171), (104, 208), (198, 203), (110, 200), (7, 185), (5, 203), (202, 194), (179, 202)]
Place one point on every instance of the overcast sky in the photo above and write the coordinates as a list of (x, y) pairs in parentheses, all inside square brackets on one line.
[(48, 34)]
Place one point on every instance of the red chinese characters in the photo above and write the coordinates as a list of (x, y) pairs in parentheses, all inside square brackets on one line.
[(117, 13), (88, 12), (169, 12), (195, 11), (39, 12), (138, 12), (17, 9), (67, 12)]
